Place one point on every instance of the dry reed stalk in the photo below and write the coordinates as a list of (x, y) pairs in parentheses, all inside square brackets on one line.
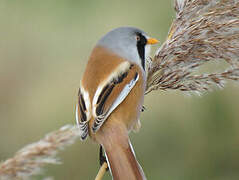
[(203, 31), (29, 160), (101, 171)]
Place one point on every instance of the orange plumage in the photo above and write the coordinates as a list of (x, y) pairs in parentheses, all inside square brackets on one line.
[(111, 97)]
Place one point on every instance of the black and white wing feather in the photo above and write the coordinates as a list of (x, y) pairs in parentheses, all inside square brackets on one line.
[(111, 95), (82, 113)]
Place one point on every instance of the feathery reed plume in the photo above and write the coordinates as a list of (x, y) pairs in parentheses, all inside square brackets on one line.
[(29, 160), (204, 30)]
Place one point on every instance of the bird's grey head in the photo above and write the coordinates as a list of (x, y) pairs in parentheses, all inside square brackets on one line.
[(128, 42)]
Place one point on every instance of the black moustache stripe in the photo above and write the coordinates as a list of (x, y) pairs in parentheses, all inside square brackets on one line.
[(141, 43)]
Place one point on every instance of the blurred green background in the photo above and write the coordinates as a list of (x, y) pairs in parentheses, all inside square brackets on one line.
[(44, 46)]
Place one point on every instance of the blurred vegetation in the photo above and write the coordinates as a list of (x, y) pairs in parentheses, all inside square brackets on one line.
[(44, 48)]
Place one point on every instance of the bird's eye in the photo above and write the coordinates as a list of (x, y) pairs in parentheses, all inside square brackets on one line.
[(137, 38)]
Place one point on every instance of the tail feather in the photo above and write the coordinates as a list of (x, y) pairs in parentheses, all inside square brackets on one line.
[(123, 164), (120, 156)]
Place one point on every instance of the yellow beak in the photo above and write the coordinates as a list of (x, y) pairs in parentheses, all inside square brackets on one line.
[(152, 41)]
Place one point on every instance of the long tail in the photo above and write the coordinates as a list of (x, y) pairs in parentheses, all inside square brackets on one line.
[(120, 155)]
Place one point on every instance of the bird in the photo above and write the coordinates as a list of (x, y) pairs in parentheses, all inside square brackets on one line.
[(111, 96)]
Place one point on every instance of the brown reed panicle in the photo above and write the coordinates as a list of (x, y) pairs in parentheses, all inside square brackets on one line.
[(203, 31), (29, 160)]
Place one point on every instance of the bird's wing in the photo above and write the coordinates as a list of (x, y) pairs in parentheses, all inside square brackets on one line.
[(82, 112), (112, 93)]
